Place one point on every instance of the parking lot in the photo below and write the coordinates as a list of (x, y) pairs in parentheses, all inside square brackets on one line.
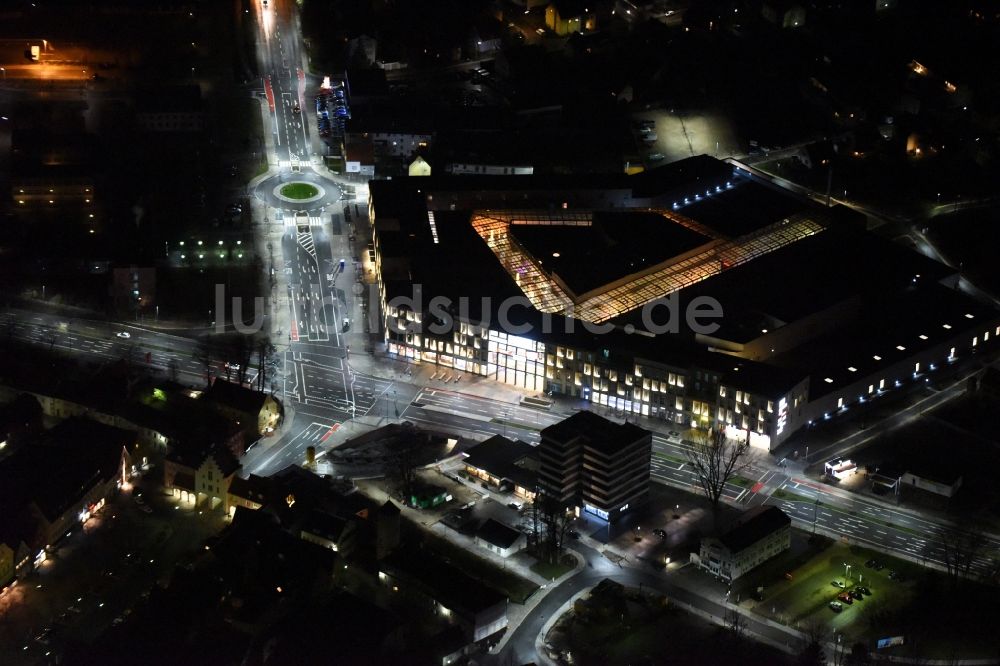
[(676, 135), (829, 588)]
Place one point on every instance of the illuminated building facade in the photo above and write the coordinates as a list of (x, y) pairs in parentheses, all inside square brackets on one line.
[(529, 266), (595, 465)]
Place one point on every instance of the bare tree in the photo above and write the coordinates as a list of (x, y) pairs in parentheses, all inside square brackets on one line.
[(403, 470), (203, 354), (716, 460), (962, 545), (551, 522), (736, 624), (812, 653)]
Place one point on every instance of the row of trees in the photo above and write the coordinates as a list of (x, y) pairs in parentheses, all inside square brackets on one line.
[(237, 352)]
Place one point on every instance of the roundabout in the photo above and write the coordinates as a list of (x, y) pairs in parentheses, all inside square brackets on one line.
[(296, 191)]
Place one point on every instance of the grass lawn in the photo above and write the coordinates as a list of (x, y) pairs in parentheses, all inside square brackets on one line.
[(299, 191), (553, 571), (741, 481), (908, 608)]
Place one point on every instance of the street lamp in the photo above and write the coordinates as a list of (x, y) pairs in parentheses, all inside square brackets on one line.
[(847, 570)]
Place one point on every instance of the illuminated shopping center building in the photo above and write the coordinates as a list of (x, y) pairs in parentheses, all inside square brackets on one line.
[(819, 315)]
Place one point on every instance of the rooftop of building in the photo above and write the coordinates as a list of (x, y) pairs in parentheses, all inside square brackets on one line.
[(169, 99), (500, 535), (753, 526), (598, 432), (809, 276), (497, 454), (236, 396), (443, 582), (194, 453), (888, 328), (614, 245), (61, 465)]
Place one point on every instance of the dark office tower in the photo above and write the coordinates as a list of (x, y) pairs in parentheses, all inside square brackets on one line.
[(595, 465)]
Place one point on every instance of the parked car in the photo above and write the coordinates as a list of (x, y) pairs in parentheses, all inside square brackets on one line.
[(124, 335), (857, 594), (514, 505), (836, 606), (863, 590), (845, 597), (656, 157), (838, 583), (660, 533)]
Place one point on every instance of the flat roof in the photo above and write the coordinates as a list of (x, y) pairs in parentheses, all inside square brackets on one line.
[(753, 526), (809, 276), (600, 433), (887, 330), (614, 245), (745, 207)]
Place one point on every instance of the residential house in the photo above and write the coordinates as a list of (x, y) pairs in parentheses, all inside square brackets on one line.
[(760, 534), (196, 474), (565, 17), (499, 538), (258, 412)]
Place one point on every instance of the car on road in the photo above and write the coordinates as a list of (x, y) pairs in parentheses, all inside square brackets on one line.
[(836, 606), (235, 367), (838, 583), (514, 505), (845, 597), (296, 109), (660, 533), (124, 335), (656, 157)]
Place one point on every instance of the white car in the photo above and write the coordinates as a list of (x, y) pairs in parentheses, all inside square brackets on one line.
[(124, 335)]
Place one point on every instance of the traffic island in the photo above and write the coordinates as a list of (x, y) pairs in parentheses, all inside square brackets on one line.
[(299, 191)]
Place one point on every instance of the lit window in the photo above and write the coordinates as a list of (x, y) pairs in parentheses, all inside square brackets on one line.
[(946, 326), (852, 369), (828, 380), (877, 357), (923, 337), (969, 316), (900, 347), (840, 403)]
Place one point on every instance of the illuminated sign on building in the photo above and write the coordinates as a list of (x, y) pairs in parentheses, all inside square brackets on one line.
[(782, 415)]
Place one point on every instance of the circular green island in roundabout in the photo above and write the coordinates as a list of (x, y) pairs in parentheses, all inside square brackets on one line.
[(299, 191)]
